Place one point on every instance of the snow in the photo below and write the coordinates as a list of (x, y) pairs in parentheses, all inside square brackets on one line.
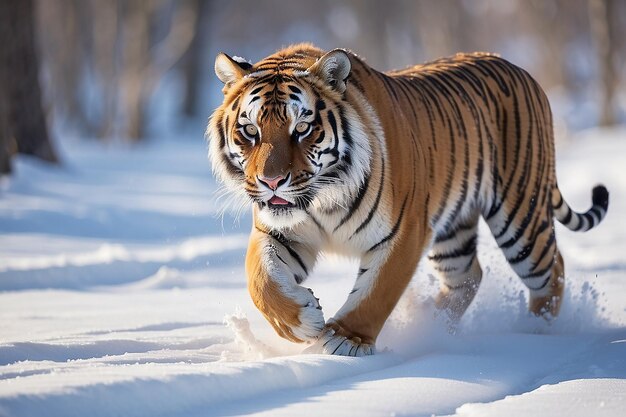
[(122, 292)]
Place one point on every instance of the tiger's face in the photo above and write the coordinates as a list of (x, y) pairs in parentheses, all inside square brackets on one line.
[(278, 141), (281, 137)]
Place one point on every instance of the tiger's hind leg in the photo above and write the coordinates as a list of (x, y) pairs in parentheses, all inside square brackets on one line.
[(453, 256), (531, 250), (546, 301)]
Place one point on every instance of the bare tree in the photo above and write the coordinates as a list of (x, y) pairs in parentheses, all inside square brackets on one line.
[(23, 118), (145, 60), (601, 18), (105, 33), (5, 131), (192, 60), (135, 61), (63, 53)]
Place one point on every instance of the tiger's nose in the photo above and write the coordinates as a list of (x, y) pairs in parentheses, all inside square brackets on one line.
[(272, 183)]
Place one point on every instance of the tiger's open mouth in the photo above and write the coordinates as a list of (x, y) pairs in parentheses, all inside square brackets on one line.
[(277, 201), (277, 204)]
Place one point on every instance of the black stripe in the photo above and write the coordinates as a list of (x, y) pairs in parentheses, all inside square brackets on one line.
[(567, 217), (317, 223), (443, 267), (333, 123), (235, 104), (285, 242), (548, 245), (298, 259), (530, 213), (528, 249), (321, 137), (539, 273), (543, 284), (295, 89), (516, 158), (543, 271), (334, 151), (370, 215), (345, 126), (449, 177), (355, 82), (486, 68), (589, 218), (256, 90), (221, 136), (480, 163), (394, 230), (467, 249), (356, 203), (522, 181), (387, 84), (280, 259), (465, 174), (452, 232), (596, 211)]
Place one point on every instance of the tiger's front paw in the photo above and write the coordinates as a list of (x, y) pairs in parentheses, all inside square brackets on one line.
[(301, 320), (337, 341), (310, 315)]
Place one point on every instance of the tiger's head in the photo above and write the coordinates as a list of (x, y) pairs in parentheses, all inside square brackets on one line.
[(286, 136)]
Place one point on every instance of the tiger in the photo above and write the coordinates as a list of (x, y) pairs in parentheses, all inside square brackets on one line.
[(388, 167)]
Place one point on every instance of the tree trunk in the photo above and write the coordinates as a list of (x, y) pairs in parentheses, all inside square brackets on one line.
[(192, 60), (5, 132), (146, 61), (136, 61), (6, 139), (105, 32), (26, 119), (601, 19)]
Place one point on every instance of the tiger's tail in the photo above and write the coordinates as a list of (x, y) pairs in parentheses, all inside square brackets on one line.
[(581, 222)]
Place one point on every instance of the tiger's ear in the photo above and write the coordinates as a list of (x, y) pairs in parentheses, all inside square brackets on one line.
[(229, 70), (334, 68)]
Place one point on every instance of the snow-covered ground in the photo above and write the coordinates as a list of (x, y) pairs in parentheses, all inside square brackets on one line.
[(122, 292)]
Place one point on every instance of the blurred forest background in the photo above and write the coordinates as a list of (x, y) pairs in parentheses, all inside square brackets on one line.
[(134, 70)]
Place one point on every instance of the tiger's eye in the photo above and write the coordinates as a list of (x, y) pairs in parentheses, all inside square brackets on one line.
[(302, 127), (251, 130)]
